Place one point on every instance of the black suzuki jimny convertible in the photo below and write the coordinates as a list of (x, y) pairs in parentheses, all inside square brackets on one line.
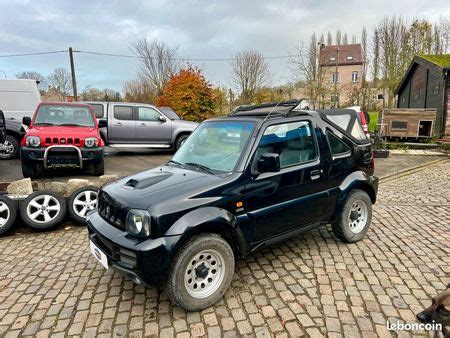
[(238, 184)]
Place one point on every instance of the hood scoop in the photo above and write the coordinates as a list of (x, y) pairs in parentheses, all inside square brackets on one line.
[(143, 183)]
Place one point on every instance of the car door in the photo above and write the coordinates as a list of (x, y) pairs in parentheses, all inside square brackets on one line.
[(122, 126), (295, 196), (152, 126)]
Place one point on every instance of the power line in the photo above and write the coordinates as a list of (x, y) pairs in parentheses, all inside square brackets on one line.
[(32, 54), (178, 59)]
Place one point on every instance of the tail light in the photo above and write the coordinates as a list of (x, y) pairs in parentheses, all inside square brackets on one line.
[(364, 122)]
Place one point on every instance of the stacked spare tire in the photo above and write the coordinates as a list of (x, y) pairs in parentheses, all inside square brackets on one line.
[(45, 209)]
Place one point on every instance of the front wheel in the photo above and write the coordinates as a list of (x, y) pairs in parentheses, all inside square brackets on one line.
[(355, 218), (31, 170), (99, 168), (9, 148), (201, 272)]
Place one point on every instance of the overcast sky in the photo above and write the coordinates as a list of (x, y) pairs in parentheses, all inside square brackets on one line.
[(201, 29)]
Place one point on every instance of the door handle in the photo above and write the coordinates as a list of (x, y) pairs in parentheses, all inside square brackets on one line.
[(315, 174), (142, 124), (118, 123)]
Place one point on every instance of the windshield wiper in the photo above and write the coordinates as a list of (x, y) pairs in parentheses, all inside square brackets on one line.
[(175, 162), (200, 166), (44, 124), (71, 125)]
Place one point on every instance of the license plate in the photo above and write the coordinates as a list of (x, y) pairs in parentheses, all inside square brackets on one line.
[(99, 255)]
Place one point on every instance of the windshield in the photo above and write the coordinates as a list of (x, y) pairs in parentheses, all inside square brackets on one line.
[(215, 145), (54, 115)]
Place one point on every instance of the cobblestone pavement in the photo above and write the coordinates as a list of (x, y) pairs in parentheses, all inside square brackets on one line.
[(313, 285)]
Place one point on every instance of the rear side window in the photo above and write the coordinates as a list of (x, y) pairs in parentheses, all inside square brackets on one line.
[(337, 146), (98, 110), (347, 122), (293, 142), (123, 112)]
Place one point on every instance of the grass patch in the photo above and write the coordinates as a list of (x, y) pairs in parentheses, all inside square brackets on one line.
[(373, 121)]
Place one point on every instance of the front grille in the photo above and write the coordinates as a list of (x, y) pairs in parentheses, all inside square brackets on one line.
[(49, 141), (111, 211)]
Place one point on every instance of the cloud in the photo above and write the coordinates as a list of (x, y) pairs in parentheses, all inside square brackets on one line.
[(201, 29)]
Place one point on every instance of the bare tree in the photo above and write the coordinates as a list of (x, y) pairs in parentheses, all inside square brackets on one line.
[(249, 73), (345, 39), (158, 61), (338, 37), (138, 90), (353, 38), (307, 65), (61, 82), (329, 39), (32, 75)]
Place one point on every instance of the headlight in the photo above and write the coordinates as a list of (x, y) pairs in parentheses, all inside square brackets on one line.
[(138, 223), (33, 141), (90, 142)]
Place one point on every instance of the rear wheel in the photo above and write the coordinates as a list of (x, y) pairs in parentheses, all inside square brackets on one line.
[(180, 141), (201, 272), (8, 213), (10, 148), (355, 218)]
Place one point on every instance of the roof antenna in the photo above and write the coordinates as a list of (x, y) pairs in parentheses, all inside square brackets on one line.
[(272, 110)]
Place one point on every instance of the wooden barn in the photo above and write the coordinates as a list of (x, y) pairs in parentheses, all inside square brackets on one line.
[(426, 85), (408, 122)]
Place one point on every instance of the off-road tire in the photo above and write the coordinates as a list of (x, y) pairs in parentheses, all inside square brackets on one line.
[(180, 140), (71, 207), (31, 171), (8, 213), (15, 143), (56, 217), (98, 169), (341, 228), (176, 288)]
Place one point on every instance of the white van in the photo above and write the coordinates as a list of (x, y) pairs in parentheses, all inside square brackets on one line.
[(18, 98)]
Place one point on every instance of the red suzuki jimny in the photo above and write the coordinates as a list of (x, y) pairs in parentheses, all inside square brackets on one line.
[(61, 135)]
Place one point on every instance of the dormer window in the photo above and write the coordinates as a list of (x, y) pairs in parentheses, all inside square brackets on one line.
[(349, 58), (332, 58)]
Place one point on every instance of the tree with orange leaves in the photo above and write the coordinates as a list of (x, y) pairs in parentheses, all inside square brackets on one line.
[(189, 94)]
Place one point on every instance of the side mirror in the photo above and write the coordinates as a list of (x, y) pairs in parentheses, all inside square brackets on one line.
[(269, 162), (102, 124), (162, 118), (26, 120)]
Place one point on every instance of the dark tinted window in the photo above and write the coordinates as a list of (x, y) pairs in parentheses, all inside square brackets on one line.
[(98, 110), (292, 141), (337, 146), (399, 125), (169, 113), (123, 112), (63, 115)]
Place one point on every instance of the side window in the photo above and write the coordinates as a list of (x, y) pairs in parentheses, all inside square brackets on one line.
[(123, 112), (98, 110), (293, 141), (337, 146), (147, 114)]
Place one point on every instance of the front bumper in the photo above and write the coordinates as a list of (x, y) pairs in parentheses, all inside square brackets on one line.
[(67, 156), (145, 261)]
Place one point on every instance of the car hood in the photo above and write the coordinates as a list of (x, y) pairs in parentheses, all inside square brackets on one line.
[(62, 131), (185, 124), (160, 186)]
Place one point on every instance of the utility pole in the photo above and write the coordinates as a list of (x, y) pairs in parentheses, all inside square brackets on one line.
[(72, 70), (336, 97)]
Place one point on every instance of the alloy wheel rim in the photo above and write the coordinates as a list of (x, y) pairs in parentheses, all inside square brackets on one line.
[(4, 214), (204, 274), (85, 201), (9, 149), (357, 217), (43, 209)]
